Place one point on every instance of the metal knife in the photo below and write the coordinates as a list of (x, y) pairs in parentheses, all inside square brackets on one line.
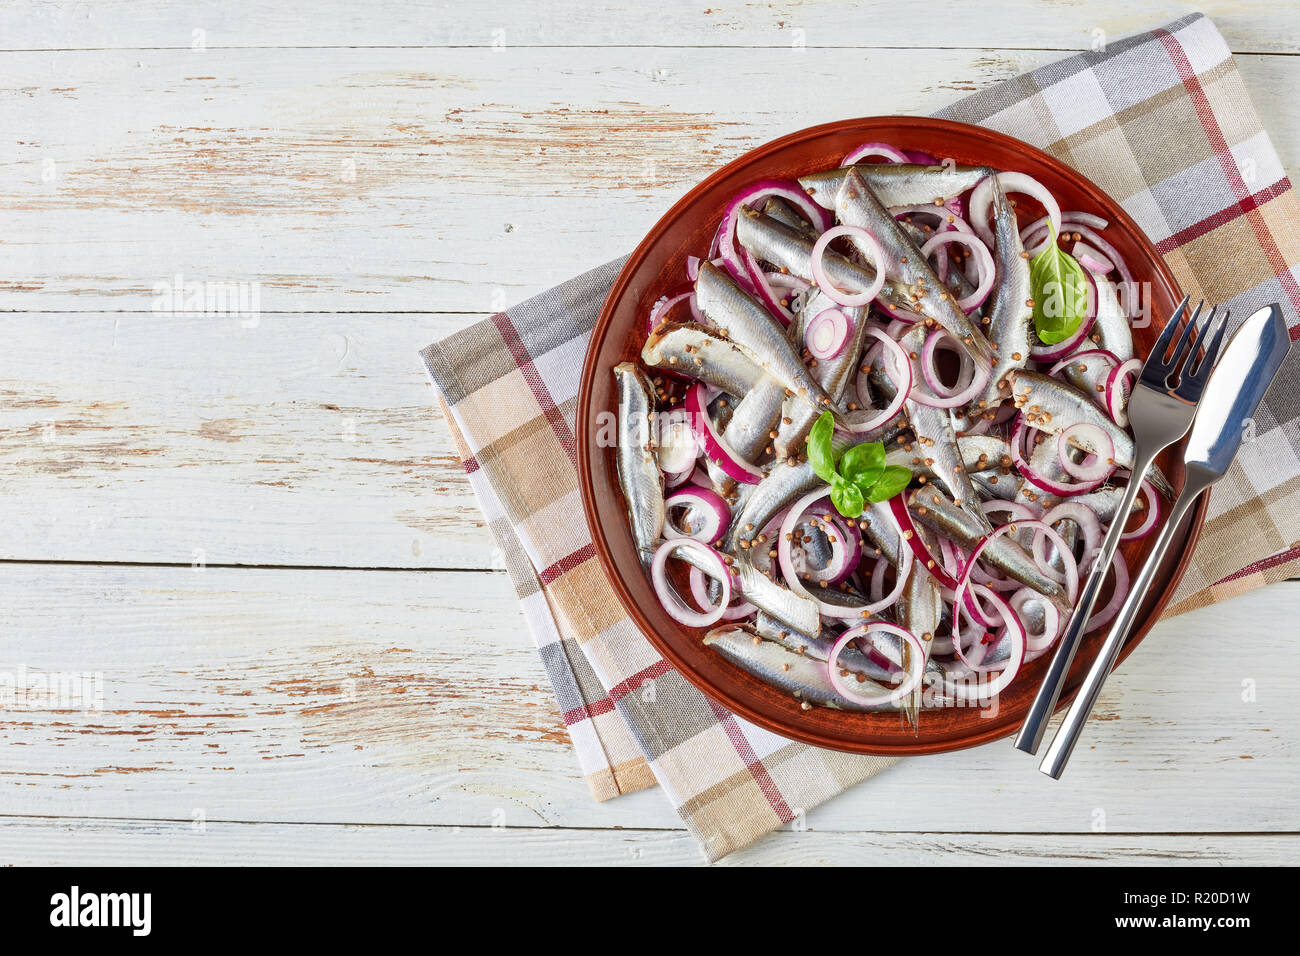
[(1247, 366)]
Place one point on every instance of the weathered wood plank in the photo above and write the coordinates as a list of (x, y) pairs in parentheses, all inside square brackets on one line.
[(415, 697), (40, 24), (430, 181), (307, 440), (29, 842)]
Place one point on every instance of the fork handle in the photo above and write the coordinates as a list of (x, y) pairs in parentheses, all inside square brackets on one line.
[(1049, 691), (1058, 753)]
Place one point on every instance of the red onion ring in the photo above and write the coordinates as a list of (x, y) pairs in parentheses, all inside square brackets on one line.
[(828, 333), (676, 609), (891, 154), (702, 499), (1152, 514), (791, 575), (981, 201), (697, 404), (915, 669), (988, 272), (870, 247), (1116, 392), (1089, 436)]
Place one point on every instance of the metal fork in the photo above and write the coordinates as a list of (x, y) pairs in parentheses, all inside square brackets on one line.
[(1159, 415)]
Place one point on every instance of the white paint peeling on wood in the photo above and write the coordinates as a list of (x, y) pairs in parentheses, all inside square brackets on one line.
[(451, 178), (308, 440), (416, 697), (1248, 25), (351, 180)]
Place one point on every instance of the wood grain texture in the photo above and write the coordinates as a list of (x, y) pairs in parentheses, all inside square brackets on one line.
[(416, 697), (171, 843), (354, 180), (388, 173), (307, 440), (1248, 25)]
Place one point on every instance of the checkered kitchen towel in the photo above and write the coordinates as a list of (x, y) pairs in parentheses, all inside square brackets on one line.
[(1163, 123)]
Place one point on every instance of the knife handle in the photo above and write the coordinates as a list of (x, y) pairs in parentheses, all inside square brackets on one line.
[(1058, 753), (1049, 691)]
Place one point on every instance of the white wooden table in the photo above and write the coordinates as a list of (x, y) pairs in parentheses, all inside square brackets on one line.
[(254, 529)]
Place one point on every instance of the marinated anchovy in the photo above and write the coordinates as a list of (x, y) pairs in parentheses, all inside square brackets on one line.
[(638, 469), (805, 679), (897, 184), (752, 328), (856, 205), (693, 350), (1011, 314), (936, 511)]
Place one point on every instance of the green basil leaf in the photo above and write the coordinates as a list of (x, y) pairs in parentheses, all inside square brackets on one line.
[(894, 479), (820, 453), (846, 497), (1060, 290), (863, 464)]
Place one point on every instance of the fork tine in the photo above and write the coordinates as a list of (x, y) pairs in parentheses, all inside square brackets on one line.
[(1167, 333), (1181, 349), (1206, 364)]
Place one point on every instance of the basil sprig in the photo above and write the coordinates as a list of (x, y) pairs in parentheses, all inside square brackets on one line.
[(1060, 290), (859, 475)]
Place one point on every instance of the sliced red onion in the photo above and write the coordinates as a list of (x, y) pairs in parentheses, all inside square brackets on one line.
[(1051, 619), (1091, 259), (676, 446), (874, 252), (930, 371), (902, 379), (915, 668), (1052, 353), (663, 305), (888, 153), (791, 574), (920, 157), (737, 611), (705, 503), (1010, 668), (978, 382), (786, 189), (736, 468), (981, 201), (1081, 515), (988, 272), (828, 333), (1117, 596), (1117, 391), (1061, 489), (676, 609), (1150, 518), (916, 547), (1100, 463)]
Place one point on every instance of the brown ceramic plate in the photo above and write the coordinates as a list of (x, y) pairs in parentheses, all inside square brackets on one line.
[(658, 264)]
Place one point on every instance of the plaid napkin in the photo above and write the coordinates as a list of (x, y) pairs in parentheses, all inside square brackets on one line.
[(1162, 122)]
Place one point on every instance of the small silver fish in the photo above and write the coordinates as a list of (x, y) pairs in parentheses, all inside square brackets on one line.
[(699, 352), (897, 184), (752, 328), (856, 205), (1011, 314), (638, 468), (935, 510), (805, 679)]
